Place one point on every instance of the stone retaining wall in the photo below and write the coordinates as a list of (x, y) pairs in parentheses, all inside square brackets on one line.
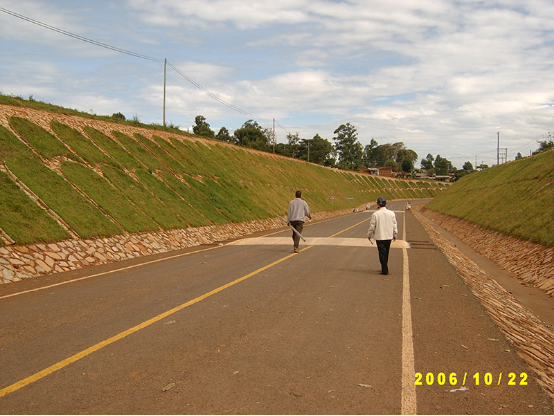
[(19, 262), (531, 262), (532, 339)]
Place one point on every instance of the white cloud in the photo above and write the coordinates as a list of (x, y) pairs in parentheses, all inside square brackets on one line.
[(201, 13), (441, 76)]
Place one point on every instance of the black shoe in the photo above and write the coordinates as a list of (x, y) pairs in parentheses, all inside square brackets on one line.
[(385, 274)]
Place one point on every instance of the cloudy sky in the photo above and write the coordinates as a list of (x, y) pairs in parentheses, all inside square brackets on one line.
[(441, 76)]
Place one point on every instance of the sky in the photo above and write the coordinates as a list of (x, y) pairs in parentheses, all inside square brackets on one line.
[(458, 79)]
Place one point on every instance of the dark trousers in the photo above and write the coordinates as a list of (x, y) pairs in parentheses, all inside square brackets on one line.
[(298, 226), (383, 246)]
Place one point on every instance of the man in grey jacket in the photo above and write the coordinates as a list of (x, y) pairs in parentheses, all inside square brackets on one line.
[(384, 229), (297, 213)]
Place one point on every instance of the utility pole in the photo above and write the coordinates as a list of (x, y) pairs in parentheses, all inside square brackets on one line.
[(273, 135), (497, 148), (165, 66), (503, 155)]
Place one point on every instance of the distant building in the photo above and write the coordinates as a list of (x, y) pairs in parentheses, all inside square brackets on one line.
[(403, 175), (445, 178), (386, 171), (382, 171)]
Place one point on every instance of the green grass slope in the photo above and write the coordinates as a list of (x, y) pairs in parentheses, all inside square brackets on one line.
[(103, 179), (516, 199)]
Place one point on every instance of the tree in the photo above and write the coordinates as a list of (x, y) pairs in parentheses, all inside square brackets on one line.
[(357, 152), (397, 152), (384, 153), (368, 156), (315, 150), (466, 170), (468, 167), (116, 116), (202, 128), (392, 163), (443, 166), (427, 164), (403, 154), (224, 135), (252, 135), (331, 160), (283, 149), (321, 151), (545, 145), (294, 142), (347, 146), (407, 166)]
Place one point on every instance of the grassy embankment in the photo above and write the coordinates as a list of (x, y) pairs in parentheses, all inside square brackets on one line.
[(101, 186), (516, 199), (56, 109)]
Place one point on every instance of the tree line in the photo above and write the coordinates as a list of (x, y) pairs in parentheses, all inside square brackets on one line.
[(345, 152)]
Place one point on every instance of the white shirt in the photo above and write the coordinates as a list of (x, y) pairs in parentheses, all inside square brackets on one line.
[(383, 225), (298, 210)]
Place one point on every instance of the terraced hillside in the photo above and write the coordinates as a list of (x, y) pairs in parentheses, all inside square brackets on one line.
[(65, 177)]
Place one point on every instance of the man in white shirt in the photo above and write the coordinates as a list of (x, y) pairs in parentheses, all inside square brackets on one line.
[(384, 229), (297, 213)]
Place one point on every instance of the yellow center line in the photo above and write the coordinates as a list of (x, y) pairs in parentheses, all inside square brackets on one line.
[(346, 229), (53, 368), (334, 235)]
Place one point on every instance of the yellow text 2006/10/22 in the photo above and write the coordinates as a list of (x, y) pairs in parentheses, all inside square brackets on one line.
[(488, 379)]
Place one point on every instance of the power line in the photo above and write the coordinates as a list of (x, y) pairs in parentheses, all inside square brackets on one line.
[(131, 53), (285, 130), (215, 97), (82, 38)]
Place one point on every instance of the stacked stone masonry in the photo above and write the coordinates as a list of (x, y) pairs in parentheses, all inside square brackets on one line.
[(532, 338), (22, 262), (531, 262)]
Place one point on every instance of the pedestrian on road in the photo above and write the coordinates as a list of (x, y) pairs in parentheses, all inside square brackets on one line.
[(298, 211), (384, 229)]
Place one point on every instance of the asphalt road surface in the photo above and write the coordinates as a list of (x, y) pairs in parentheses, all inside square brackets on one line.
[(249, 327)]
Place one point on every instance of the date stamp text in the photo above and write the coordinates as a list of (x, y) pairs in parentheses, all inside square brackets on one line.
[(476, 379)]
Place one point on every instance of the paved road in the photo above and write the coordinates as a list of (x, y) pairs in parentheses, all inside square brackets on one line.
[(248, 327)]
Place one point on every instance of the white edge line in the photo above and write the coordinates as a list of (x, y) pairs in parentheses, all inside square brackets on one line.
[(103, 273), (409, 401)]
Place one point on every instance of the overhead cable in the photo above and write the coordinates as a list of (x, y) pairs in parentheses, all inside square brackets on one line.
[(131, 53), (215, 97), (286, 131), (82, 38)]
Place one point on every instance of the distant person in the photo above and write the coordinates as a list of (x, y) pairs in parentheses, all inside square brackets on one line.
[(408, 205), (384, 229), (298, 211), (368, 206)]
